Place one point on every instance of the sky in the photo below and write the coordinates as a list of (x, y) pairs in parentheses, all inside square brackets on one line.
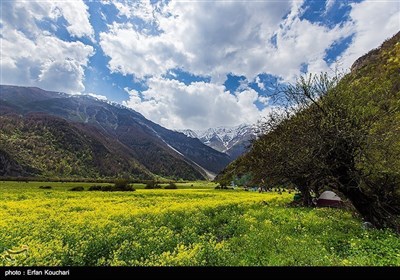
[(186, 64)]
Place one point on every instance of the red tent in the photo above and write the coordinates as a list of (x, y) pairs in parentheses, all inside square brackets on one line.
[(329, 199)]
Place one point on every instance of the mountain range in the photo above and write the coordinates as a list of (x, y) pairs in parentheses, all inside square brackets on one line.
[(233, 141), (47, 133)]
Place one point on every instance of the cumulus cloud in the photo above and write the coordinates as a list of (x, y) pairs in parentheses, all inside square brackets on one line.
[(46, 61), (302, 42), (141, 9), (132, 52), (33, 57), (214, 39), (374, 21), (259, 83), (76, 14), (25, 15), (217, 38), (149, 40), (205, 38), (199, 105)]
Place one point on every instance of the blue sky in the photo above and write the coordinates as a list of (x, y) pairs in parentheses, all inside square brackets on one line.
[(186, 64)]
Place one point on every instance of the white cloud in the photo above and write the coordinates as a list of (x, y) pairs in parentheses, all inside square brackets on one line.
[(217, 38), (98, 96), (301, 41), (132, 52), (32, 57), (141, 9), (205, 38), (76, 14), (259, 83), (47, 62), (25, 15), (374, 21), (199, 105)]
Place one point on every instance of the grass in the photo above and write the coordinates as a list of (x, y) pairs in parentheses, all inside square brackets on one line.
[(188, 226)]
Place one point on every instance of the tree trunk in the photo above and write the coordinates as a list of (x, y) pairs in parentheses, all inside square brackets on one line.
[(381, 214), (378, 213), (307, 199)]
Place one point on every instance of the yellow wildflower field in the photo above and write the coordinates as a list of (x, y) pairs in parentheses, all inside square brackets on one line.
[(185, 226)]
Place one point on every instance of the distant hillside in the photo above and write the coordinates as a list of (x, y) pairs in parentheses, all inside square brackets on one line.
[(130, 144), (52, 146)]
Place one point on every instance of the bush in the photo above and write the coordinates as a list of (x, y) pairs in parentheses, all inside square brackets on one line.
[(223, 187), (107, 188), (152, 185), (110, 188), (45, 187), (95, 188), (77, 189), (121, 183), (121, 188), (171, 186)]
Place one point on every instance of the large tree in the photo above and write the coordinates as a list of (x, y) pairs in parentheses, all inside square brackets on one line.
[(338, 133)]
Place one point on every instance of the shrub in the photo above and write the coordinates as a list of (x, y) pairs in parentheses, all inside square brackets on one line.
[(121, 188), (45, 187), (223, 187), (121, 183), (95, 188), (171, 186), (152, 185), (77, 189), (107, 188), (110, 188)]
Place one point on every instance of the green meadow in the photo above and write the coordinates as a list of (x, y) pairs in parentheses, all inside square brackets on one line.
[(194, 225)]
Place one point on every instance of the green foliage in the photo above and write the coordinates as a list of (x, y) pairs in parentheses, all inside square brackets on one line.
[(222, 187), (45, 187), (110, 188), (121, 183), (341, 134), (171, 186), (52, 147), (124, 188), (186, 228), (152, 185), (77, 189), (95, 188)]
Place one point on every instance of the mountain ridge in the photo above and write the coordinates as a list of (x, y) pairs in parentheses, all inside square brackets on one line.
[(153, 146), (233, 140)]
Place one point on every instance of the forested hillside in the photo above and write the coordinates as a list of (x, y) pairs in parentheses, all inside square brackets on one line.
[(54, 134)]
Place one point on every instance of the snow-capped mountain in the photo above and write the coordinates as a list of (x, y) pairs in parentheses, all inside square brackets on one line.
[(231, 140), (189, 133)]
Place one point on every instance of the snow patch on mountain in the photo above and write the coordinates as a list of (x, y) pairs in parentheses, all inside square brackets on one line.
[(223, 138)]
